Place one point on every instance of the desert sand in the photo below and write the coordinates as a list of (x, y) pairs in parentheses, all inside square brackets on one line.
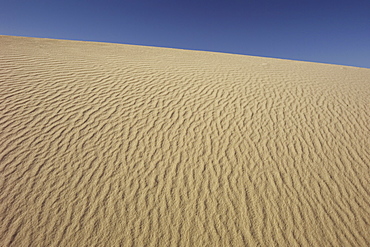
[(121, 145)]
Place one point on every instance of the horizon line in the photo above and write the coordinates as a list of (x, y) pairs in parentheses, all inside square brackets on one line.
[(187, 49)]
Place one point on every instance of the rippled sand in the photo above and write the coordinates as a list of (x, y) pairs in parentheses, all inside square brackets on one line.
[(119, 145)]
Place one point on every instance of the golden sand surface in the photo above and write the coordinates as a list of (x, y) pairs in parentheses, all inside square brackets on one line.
[(121, 145)]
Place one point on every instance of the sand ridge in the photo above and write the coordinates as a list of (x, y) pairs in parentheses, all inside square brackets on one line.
[(120, 145)]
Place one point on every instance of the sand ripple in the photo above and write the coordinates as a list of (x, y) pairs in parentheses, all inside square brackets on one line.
[(118, 145)]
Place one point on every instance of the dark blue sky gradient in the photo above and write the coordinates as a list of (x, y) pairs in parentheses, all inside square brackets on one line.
[(328, 31)]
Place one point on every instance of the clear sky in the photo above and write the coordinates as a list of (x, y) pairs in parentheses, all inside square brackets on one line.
[(328, 31)]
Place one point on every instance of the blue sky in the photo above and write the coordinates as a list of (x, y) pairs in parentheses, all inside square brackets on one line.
[(328, 31)]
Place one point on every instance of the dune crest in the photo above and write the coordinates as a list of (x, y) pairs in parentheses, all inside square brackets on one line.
[(120, 145)]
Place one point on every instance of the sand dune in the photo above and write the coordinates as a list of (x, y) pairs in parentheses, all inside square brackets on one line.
[(119, 145)]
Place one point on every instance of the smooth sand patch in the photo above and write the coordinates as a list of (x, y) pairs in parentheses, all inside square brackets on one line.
[(119, 145)]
